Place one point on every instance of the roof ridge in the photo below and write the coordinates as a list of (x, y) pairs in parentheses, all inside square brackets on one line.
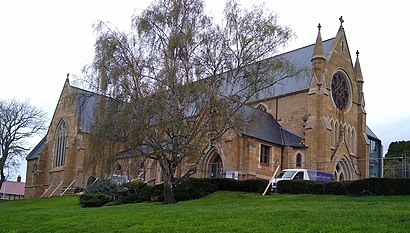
[(37, 147), (294, 50)]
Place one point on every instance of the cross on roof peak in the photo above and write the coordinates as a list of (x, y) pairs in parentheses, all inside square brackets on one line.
[(341, 21)]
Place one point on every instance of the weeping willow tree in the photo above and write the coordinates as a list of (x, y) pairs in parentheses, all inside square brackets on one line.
[(182, 79)]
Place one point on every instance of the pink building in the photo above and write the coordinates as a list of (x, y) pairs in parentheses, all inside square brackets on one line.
[(12, 190)]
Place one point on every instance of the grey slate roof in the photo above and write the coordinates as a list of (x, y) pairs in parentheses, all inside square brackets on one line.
[(34, 153), (370, 134), (301, 76), (86, 104), (263, 126)]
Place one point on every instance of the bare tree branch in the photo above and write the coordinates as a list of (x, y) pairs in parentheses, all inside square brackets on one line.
[(19, 121)]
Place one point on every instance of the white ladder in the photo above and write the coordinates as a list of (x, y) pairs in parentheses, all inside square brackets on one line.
[(270, 181), (68, 188), (58, 186)]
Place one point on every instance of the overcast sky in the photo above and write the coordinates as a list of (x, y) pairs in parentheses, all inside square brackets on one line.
[(41, 41)]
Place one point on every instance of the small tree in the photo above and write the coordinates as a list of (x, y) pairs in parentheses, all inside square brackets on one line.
[(183, 80), (19, 121), (399, 149), (396, 160)]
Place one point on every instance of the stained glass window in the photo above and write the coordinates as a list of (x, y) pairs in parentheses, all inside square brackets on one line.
[(340, 91)]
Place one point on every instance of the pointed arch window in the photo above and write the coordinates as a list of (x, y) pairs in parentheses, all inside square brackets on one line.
[(60, 144), (299, 160), (217, 167), (118, 169)]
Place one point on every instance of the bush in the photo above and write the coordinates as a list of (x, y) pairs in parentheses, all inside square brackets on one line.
[(315, 187), (370, 186), (336, 188), (292, 186), (100, 193), (135, 185), (94, 200), (145, 193), (226, 184), (253, 186), (380, 186), (192, 188), (103, 186)]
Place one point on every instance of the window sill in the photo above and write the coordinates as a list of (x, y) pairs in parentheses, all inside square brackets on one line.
[(57, 169)]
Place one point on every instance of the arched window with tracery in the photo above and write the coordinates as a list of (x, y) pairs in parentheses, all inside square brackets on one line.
[(60, 144)]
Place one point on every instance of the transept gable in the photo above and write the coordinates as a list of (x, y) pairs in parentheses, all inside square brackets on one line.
[(339, 58)]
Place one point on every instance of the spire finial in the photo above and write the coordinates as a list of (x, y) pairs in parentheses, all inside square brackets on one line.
[(341, 21), (357, 53), (318, 49)]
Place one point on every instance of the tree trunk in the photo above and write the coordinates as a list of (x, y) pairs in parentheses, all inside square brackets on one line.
[(2, 176), (169, 186), (169, 182)]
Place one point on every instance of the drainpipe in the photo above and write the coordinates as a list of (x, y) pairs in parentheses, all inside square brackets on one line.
[(281, 158)]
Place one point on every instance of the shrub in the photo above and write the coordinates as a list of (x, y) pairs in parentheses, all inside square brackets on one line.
[(313, 187), (145, 193), (226, 184), (336, 188), (103, 186), (356, 187), (192, 188), (291, 186), (390, 186), (135, 185), (94, 200), (253, 186), (370, 186)]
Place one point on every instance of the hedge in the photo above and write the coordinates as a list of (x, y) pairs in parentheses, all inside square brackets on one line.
[(94, 200), (192, 188), (369, 186), (251, 186)]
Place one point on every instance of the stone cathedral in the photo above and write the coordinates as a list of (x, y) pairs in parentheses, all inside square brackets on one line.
[(313, 120)]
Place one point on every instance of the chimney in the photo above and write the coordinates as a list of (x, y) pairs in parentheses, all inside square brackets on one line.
[(19, 178)]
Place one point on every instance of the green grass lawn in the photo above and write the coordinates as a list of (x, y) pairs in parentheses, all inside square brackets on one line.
[(219, 212)]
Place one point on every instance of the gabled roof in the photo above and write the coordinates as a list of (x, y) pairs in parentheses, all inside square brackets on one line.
[(263, 126), (35, 152), (370, 134), (13, 188)]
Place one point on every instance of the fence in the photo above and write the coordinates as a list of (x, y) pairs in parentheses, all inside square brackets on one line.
[(396, 167)]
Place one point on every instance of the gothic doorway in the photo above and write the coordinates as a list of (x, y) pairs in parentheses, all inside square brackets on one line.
[(215, 166), (90, 180), (342, 170)]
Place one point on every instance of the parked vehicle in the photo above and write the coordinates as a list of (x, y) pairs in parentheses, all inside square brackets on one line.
[(301, 174)]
